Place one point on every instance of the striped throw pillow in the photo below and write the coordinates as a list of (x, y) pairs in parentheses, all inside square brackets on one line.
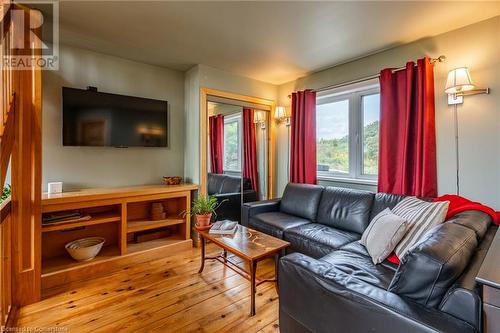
[(421, 216)]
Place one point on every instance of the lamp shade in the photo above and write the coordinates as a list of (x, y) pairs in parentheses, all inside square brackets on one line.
[(279, 113), (458, 80), (258, 117)]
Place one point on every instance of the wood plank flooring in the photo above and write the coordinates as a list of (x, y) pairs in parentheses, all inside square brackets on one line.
[(165, 295)]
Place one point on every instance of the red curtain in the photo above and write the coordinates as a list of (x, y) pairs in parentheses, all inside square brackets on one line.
[(407, 152), (216, 124), (250, 149), (303, 138)]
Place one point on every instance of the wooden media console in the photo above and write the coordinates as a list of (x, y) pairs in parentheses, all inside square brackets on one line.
[(119, 215)]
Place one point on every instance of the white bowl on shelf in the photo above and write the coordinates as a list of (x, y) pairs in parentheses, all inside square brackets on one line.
[(86, 248)]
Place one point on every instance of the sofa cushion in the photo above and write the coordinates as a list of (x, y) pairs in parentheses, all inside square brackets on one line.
[(473, 219), (463, 298), (356, 247), (301, 200), (421, 216), (382, 201), (432, 265), (214, 184), (345, 209), (274, 223), (231, 184), (360, 267), (317, 240)]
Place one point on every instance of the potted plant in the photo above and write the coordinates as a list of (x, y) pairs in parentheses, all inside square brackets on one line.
[(204, 208), (5, 193)]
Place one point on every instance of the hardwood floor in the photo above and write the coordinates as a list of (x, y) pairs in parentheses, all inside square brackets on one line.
[(165, 295)]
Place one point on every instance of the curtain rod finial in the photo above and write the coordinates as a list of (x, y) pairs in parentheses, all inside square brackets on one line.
[(441, 58)]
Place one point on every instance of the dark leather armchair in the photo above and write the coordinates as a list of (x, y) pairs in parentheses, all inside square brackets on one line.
[(228, 188)]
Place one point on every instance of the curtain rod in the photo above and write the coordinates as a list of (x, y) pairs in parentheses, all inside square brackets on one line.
[(441, 58)]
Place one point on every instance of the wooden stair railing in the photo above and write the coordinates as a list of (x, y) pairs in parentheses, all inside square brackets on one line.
[(7, 309), (20, 145), (7, 141), (7, 134), (7, 137)]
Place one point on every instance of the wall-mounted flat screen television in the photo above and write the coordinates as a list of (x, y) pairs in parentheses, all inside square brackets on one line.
[(92, 118)]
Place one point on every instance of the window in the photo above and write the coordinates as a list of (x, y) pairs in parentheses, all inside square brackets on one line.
[(333, 137), (347, 130), (369, 142), (232, 137)]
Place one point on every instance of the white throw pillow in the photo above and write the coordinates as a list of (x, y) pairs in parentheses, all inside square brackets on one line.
[(383, 234), (421, 216)]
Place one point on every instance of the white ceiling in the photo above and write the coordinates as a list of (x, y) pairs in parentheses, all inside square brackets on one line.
[(274, 42)]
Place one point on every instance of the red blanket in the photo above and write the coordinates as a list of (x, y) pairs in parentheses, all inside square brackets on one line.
[(457, 205)]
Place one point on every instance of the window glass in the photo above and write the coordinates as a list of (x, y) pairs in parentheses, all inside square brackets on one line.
[(347, 127), (370, 130), (231, 146), (332, 133)]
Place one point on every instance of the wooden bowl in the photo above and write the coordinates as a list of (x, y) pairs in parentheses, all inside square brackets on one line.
[(173, 180), (85, 249)]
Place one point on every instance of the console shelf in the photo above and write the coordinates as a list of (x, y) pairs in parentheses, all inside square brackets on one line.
[(142, 225), (100, 218), (153, 244), (117, 214), (65, 262)]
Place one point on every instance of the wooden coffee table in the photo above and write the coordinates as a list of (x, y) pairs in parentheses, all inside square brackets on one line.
[(250, 245)]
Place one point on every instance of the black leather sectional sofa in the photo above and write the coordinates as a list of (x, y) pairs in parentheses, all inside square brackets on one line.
[(328, 282), (226, 187)]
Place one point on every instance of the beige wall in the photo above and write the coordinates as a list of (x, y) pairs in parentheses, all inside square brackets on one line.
[(192, 127), (476, 46), (80, 167)]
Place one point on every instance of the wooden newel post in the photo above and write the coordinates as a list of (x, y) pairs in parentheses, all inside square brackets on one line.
[(26, 181)]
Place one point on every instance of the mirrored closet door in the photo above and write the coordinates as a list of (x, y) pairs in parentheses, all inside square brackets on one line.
[(237, 156)]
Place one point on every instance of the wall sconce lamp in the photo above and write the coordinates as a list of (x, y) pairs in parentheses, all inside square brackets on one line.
[(459, 84), (259, 118), (281, 116)]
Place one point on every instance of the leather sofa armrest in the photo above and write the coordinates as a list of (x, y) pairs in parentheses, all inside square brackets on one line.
[(228, 196), (250, 209), (235, 198), (228, 200), (249, 196), (320, 298), (463, 303), (230, 206)]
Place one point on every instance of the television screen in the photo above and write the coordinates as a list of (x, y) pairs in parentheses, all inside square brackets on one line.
[(92, 118)]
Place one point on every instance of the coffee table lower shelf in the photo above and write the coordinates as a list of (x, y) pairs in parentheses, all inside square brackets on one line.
[(223, 259)]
